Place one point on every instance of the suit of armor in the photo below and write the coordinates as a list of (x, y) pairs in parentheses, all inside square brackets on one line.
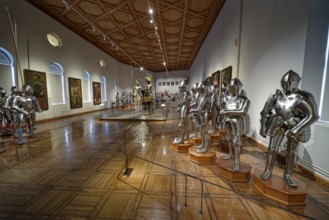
[(184, 99), (12, 112), (148, 95), (193, 104), (137, 91), (214, 107), (201, 113), (288, 113), (4, 114), (235, 106), (26, 108)]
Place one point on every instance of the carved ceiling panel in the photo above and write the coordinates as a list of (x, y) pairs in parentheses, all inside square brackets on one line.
[(122, 28)]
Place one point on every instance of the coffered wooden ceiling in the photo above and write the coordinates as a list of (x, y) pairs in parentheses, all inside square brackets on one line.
[(122, 28)]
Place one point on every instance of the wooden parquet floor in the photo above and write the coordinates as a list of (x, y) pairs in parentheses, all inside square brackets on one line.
[(75, 170)]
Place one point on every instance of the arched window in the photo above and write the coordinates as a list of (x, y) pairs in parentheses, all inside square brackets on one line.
[(103, 88), (86, 84), (7, 70), (57, 86)]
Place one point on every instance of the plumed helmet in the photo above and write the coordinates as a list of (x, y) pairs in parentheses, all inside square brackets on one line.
[(148, 77), (290, 81), (3, 93)]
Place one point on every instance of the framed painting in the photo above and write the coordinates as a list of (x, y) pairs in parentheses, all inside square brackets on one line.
[(38, 81), (75, 93), (209, 80), (226, 75), (97, 93), (216, 78), (163, 83)]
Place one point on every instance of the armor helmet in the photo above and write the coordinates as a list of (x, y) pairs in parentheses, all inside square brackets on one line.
[(202, 87), (13, 90), (148, 77), (3, 93), (194, 88), (290, 81), (28, 90), (182, 86), (20, 92), (235, 86)]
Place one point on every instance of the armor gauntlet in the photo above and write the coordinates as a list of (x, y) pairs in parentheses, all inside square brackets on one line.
[(267, 112)]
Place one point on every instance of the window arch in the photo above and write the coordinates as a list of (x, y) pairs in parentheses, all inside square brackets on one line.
[(7, 70), (56, 77), (103, 88), (86, 86)]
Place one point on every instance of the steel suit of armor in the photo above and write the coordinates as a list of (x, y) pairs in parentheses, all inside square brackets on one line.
[(235, 106), (214, 107), (184, 99), (137, 96), (148, 96), (288, 113), (193, 104), (8, 107), (5, 120), (117, 99), (26, 108), (202, 112)]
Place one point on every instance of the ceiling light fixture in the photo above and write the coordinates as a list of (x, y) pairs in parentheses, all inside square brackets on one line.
[(152, 21), (141, 68), (93, 27)]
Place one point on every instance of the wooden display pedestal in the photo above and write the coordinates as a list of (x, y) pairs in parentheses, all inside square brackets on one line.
[(278, 190), (217, 136), (202, 159), (181, 148), (196, 140), (225, 168)]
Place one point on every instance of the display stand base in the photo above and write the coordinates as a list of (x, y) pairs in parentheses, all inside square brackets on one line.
[(182, 148), (217, 136), (199, 158), (278, 190), (225, 168), (196, 140)]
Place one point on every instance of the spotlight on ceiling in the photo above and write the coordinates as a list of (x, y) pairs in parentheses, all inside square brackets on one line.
[(150, 11), (141, 68)]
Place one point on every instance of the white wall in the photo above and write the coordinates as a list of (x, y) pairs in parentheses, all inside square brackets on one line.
[(276, 36), (219, 50)]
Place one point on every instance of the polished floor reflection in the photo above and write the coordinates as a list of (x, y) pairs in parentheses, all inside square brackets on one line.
[(76, 170)]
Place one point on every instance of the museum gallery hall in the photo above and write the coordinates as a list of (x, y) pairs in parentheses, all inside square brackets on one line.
[(164, 109)]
